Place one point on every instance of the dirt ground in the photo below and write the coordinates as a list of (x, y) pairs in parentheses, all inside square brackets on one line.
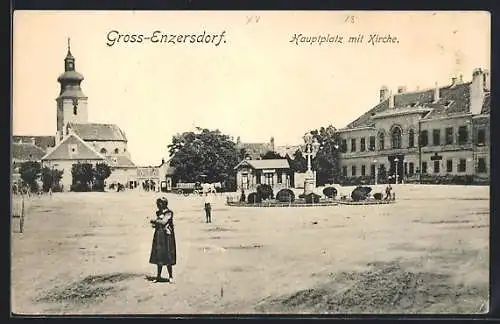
[(87, 253)]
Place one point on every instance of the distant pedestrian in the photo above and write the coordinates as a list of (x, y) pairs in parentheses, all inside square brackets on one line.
[(208, 207), (163, 249), (388, 190)]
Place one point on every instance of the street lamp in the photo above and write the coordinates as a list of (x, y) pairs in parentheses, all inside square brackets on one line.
[(396, 160), (376, 170)]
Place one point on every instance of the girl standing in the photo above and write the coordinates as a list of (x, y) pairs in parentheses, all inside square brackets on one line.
[(163, 250)]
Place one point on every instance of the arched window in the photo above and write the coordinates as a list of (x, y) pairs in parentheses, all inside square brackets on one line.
[(396, 137), (411, 138), (381, 140), (103, 151), (117, 151)]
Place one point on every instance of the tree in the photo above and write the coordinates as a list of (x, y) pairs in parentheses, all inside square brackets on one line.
[(51, 178), (205, 152), (102, 171), (298, 162), (326, 161), (270, 155), (83, 176), (30, 171)]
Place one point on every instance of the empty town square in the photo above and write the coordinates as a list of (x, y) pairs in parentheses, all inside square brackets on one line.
[(88, 252)]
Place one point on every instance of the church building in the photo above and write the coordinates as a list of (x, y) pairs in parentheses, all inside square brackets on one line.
[(79, 141)]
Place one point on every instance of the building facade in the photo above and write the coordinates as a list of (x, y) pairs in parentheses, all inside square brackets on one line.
[(251, 173), (441, 132)]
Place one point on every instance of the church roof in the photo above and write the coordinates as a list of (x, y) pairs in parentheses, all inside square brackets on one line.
[(98, 132), (265, 164), (26, 152), (454, 99), (63, 151), (120, 161)]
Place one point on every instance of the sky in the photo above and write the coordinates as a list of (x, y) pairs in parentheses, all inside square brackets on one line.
[(253, 82)]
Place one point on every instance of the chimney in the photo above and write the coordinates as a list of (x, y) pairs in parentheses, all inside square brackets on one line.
[(401, 89), (384, 93), (477, 91), (453, 81), (436, 92), (391, 100)]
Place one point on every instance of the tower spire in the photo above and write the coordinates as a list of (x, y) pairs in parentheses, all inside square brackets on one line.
[(69, 45)]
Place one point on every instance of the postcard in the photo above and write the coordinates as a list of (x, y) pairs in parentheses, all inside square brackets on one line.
[(250, 162)]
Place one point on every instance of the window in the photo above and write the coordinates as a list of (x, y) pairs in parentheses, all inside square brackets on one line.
[(353, 171), (344, 171), (481, 166), (363, 145), (269, 177), (396, 138), (411, 138), (481, 137), (103, 151), (372, 169), (462, 165), (406, 168), (343, 147), (436, 137), (424, 138), (411, 168), (257, 177), (75, 110), (448, 136), (363, 170), (73, 149), (462, 135), (353, 145), (117, 151), (424, 167), (449, 165), (372, 143), (436, 166), (381, 140)]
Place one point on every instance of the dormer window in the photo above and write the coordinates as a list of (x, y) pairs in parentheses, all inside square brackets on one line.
[(114, 160), (103, 151), (117, 151)]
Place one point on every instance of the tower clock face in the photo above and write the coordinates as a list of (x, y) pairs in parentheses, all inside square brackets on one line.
[(70, 65)]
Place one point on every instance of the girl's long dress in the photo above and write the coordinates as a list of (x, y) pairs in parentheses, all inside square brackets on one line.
[(163, 250)]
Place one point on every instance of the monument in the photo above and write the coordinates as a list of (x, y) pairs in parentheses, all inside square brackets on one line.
[(310, 150)]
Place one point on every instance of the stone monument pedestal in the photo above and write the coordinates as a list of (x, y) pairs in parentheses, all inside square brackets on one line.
[(309, 183)]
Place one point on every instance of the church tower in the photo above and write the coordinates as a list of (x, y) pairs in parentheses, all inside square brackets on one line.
[(71, 103)]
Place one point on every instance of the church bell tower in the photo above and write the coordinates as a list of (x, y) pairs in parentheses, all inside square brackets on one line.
[(72, 102)]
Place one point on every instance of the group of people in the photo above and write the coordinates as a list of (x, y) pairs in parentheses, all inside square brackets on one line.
[(163, 249)]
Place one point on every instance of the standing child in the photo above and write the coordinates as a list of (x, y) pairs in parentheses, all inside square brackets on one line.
[(163, 250), (208, 208)]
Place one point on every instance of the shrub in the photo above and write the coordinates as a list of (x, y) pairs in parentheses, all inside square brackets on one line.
[(302, 196), (378, 196), (285, 195), (265, 191), (80, 187), (253, 198), (312, 197), (360, 193), (330, 192)]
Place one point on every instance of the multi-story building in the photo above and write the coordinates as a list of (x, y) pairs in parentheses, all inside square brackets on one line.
[(432, 133)]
